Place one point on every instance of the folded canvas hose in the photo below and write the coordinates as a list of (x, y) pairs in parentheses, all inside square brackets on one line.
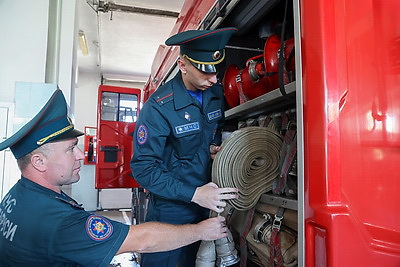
[(249, 161), (259, 240)]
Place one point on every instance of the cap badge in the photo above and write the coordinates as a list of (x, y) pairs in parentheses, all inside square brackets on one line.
[(216, 55)]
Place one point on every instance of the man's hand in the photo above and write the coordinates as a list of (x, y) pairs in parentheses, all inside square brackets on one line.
[(213, 228), (156, 236), (213, 150), (211, 197)]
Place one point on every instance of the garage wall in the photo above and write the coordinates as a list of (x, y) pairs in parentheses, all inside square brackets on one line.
[(23, 52), (23, 44)]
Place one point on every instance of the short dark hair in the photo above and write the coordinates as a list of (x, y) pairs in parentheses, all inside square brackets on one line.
[(24, 161)]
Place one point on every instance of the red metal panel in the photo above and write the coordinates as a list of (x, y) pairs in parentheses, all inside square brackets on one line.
[(192, 13), (114, 141), (351, 73)]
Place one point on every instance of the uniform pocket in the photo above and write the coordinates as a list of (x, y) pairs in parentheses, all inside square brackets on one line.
[(187, 140)]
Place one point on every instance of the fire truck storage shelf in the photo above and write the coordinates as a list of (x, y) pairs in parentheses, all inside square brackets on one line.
[(279, 201), (268, 102)]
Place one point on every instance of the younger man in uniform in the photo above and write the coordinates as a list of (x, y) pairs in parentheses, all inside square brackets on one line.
[(177, 134)]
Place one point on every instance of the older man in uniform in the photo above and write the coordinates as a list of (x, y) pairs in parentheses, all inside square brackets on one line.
[(177, 134), (41, 226)]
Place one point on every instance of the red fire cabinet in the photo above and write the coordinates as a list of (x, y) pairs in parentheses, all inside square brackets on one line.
[(118, 109), (89, 145)]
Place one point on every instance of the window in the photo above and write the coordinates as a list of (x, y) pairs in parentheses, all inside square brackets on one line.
[(119, 107)]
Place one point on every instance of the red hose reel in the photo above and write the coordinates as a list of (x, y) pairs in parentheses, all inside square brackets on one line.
[(261, 73)]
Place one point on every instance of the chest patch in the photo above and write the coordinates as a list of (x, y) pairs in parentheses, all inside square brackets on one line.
[(187, 128), (214, 115), (98, 228), (142, 134)]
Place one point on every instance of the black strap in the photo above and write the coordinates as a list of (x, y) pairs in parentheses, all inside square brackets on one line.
[(281, 64)]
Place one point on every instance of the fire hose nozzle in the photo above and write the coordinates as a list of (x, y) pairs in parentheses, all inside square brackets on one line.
[(226, 253)]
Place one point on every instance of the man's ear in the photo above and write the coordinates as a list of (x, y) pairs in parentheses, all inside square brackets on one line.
[(38, 161), (182, 65)]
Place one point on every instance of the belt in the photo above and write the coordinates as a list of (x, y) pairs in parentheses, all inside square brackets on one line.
[(249, 161)]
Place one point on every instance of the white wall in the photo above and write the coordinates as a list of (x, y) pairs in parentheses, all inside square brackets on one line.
[(23, 47), (86, 115), (23, 44), (23, 50)]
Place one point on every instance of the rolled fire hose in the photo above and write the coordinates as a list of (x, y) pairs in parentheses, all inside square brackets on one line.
[(249, 161)]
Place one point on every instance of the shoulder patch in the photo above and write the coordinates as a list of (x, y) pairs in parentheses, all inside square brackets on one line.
[(164, 99), (142, 134), (98, 228)]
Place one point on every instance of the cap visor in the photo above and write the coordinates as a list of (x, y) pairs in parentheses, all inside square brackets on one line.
[(68, 135), (207, 68)]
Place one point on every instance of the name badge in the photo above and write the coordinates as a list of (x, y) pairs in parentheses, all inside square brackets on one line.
[(187, 128), (214, 115)]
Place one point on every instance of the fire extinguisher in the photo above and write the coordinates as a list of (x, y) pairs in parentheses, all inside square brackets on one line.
[(260, 75)]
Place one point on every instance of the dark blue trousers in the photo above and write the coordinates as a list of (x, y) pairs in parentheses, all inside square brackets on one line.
[(181, 257), (173, 213)]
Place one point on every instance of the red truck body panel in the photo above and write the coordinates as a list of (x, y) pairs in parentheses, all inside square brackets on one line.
[(351, 132), (350, 106)]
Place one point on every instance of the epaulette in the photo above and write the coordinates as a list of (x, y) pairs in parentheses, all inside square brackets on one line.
[(164, 98)]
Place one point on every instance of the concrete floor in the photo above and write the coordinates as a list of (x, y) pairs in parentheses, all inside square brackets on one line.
[(125, 259), (123, 216)]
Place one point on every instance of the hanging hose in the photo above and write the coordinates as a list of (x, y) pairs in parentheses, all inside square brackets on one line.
[(220, 253), (249, 161), (206, 255), (226, 252)]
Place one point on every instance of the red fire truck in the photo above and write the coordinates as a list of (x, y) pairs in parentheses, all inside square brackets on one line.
[(335, 64)]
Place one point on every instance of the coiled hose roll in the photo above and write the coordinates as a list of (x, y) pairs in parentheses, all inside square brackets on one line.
[(249, 161)]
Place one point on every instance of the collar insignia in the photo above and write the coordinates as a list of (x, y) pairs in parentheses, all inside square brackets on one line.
[(187, 116)]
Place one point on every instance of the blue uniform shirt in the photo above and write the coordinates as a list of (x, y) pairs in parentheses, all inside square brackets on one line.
[(40, 227), (172, 148)]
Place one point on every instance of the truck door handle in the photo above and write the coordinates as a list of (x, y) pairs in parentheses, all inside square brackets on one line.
[(110, 148), (110, 153)]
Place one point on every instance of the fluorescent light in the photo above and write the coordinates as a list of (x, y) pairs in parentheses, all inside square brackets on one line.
[(83, 43)]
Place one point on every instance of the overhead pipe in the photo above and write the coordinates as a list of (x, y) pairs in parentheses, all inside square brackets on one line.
[(106, 6), (53, 42)]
